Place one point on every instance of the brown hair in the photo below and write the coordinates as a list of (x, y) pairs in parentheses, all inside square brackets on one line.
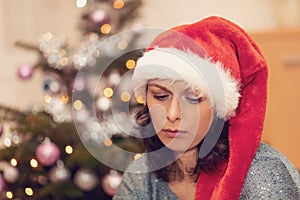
[(171, 172)]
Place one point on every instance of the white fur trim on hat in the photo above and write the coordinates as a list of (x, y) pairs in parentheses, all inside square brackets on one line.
[(211, 79)]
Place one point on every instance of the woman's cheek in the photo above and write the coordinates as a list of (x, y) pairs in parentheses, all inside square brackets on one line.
[(158, 116)]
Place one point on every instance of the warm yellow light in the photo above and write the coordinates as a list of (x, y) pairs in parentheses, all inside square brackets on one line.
[(9, 195), (64, 61), (78, 105), (137, 156), (62, 52), (47, 98), (118, 4), (29, 191), (130, 64), (105, 28), (64, 99), (14, 162), (34, 163), (107, 142), (69, 149), (7, 142), (140, 100), (125, 96), (122, 44), (81, 3), (108, 92)]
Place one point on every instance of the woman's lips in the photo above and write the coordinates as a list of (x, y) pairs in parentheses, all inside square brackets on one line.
[(174, 133)]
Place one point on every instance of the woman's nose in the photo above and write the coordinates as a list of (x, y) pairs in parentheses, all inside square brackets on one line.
[(174, 110)]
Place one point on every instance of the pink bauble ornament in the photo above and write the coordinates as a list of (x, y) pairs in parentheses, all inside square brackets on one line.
[(11, 174), (2, 184), (98, 17), (47, 153), (86, 179), (25, 71), (1, 129), (111, 181)]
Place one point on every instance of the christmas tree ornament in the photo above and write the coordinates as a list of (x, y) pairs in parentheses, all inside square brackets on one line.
[(2, 183), (47, 153), (31, 166), (103, 103), (11, 174), (79, 84), (59, 173), (1, 129), (86, 179), (82, 115), (114, 77), (98, 17), (111, 181), (25, 71), (51, 85)]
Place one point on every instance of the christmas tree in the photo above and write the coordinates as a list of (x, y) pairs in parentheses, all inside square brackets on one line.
[(69, 147)]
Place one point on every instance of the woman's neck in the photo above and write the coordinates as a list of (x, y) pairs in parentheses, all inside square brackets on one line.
[(187, 163)]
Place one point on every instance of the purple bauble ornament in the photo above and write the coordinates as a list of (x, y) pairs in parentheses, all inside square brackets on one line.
[(47, 153), (25, 71)]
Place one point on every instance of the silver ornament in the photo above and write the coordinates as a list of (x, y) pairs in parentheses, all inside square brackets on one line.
[(11, 174), (59, 174), (86, 179)]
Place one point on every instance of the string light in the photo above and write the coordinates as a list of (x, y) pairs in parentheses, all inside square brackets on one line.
[(81, 3), (108, 92), (7, 142), (139, 99), (14, 162), (130, 64), (9, 195), (78, 105), (64, 61), (33, 163), (118, 4), (69, 149), (125, 96), (62, 52), (64, 99), (107, 142), (137, 156), (103, 103), (105, 28), (122, 44), (47, 98), (28, 191)]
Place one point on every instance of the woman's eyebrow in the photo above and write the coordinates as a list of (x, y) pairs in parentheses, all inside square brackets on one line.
[(159, 86)]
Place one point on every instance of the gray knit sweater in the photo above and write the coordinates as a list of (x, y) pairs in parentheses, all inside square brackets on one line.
[(270, 176)]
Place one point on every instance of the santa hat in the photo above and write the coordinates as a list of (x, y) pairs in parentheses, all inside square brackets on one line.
[(220, 59)]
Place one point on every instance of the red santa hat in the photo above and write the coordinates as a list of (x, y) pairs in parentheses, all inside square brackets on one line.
[(208, 54)]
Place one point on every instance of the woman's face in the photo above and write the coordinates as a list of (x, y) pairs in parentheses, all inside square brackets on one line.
[(181, 118)]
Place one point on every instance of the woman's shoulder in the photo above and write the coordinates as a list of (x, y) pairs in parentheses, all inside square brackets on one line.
[(271, 175), (266, 156)]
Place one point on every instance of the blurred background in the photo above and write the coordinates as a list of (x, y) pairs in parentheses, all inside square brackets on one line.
[(274, 25)]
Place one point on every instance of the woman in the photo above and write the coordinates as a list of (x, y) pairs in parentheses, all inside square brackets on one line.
[(204, 88)]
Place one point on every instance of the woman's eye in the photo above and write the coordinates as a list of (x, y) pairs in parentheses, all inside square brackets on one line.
[(194, 100), (160, 96)]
